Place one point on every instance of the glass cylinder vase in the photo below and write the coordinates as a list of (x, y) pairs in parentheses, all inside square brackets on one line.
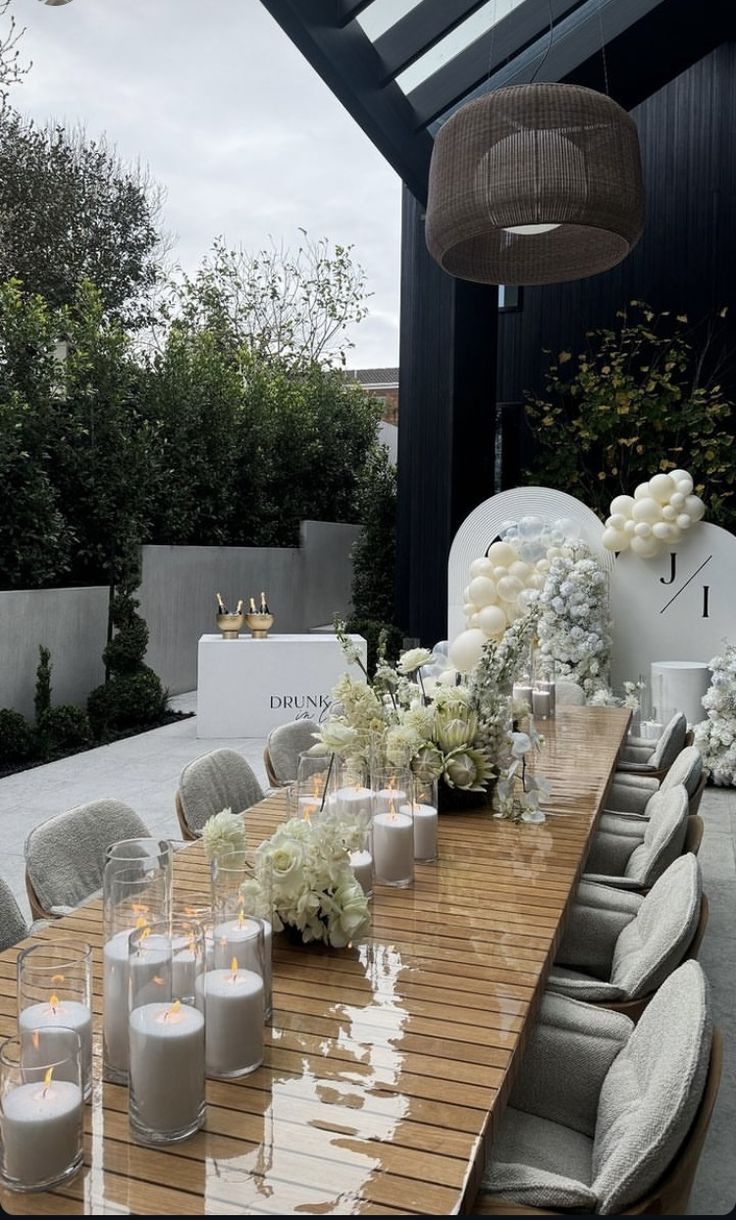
[(242, 892), (41, 1108), (423, 807), (317, 781), (55, 991)]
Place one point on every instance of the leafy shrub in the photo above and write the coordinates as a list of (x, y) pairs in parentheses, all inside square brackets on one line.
[(374, 554), (17, 739), (371, 630), (126, 701), (65, 727), (42, 697)]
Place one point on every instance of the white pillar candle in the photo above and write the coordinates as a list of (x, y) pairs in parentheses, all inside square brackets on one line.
[(388, 799), (361, 863), (551, 689), (354, 802), (115, 1000), (541, 703), (238, 940), (522, 693), (69, 1014), (167, 1066), (234, 1013), (41, 1128), (183, 973), (393, 848), (425, 830)]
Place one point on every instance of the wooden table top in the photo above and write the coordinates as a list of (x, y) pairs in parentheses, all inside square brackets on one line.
[(387, 1066)]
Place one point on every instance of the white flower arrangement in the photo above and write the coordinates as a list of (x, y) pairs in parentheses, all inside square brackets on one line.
[(575, 626), (715, 736), (222, 834), (312, 884)]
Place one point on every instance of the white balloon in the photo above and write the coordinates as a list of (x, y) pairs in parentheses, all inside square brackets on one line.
[(643, 529), (466, 649), (622, 505), (543, 566), (694, 507), (677, 500), (642, 492), (473, 620), (669, 513), (629, 528), (531, 527), (647, 509), (447, 677), (537, 581), (683, 480), (492, 620), (661, 487), (662, 530), (481, 567), (554, 552), (470, 608), (615, 540), (675, 535), (509, 588), (466, 593), (502, 553), (617, 521), (684, 521), (482, 591), (645, 548), (520, 570), (528, 597)]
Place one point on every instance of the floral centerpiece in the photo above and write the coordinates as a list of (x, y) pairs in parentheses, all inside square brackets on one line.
[(456, 731), (715, 736), (574, 625)]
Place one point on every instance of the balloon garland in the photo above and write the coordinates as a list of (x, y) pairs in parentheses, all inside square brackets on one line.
[(655, 517)]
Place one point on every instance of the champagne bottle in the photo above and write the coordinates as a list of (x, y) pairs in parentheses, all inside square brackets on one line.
[(239, 607), (253, 608), (264, 605), (222, 608)]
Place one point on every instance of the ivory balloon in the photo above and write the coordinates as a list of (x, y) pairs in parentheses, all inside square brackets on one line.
[(645, 548), (684, 521), (642, 492), (491, 620), (470, 608), (677, 500), (661, 487), (662, 530), (683, 480), (617, 521), (643, 529), (466, 649), (669, 513), (482, 591), (622, 506), (502, 553), (647, 509), (629, 528), (615, 540), (543, 566), (694, 507), (481, 567), (509, 588), (466, 593), (520, 570)]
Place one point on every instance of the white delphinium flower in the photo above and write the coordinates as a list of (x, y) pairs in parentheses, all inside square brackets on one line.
[(223, 834)]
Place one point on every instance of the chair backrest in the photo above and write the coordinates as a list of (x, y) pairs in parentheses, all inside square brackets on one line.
[(216, 781), (65, 855), (694, 834), (652, 1091), (12, 924), (670, 744), (284, 745), (654, 943), (664, 836), (686, 769), (568, 693)]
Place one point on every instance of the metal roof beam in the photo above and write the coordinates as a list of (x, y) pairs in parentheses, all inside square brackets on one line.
[(419, 30)]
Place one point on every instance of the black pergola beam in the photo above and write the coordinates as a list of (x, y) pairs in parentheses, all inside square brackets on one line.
[(451, 83), (348, 10), (419, 30), (349, 65)]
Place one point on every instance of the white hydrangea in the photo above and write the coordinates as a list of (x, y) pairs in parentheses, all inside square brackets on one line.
[(575, 628), (715, 736), (222, 834)]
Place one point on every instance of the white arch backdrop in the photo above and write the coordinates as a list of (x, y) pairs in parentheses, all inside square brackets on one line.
[(478, 531)]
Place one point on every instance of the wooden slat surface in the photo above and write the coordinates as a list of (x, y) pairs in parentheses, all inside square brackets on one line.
[(387, 1065)]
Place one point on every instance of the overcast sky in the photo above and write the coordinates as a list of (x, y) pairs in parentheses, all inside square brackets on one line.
[(235, 124)]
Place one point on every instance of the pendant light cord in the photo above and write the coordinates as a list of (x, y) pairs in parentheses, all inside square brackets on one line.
[(548, 48), (603, 48)]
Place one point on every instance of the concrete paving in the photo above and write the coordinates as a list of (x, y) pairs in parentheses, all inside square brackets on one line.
[(144, 771)]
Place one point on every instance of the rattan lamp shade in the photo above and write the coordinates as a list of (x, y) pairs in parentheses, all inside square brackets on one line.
[(549, 155)]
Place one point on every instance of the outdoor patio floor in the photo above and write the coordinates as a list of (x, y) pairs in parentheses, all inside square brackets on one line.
[(144, 772)]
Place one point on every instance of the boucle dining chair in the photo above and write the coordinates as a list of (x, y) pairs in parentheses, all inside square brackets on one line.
[(569, 694), (65, 855), (618, 947), (640, 757), (284, 745), (607, 1117), (216, 781), (633, 852), (630, 793), (12, 924)]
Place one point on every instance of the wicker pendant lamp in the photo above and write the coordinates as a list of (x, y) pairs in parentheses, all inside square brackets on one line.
[(535, 184)]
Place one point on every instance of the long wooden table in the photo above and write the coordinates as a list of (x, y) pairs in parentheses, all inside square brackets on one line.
[(387, 1067)]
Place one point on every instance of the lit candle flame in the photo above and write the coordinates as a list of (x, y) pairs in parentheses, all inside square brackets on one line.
[(234, 968), (141, 922), (241, 917), (172, 1012), (54, 1002), (158, 980), (36, 1039), (56, 979), (47, 1080), (391, 808)]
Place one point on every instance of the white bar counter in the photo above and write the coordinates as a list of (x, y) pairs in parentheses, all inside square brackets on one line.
[(246, 687)]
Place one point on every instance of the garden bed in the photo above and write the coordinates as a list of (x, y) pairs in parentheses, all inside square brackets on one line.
[(28, 764)]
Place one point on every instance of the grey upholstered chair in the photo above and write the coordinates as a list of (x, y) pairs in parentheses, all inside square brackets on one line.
[(283, 747), (601, 1108), (633, 852), (216, 781), (619, 947), (568, 693), (630, 793), (12, 924), (65, 855), (641, 756)]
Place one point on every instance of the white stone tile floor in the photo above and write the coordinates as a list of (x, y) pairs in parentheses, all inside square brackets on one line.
[(144, 771)]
